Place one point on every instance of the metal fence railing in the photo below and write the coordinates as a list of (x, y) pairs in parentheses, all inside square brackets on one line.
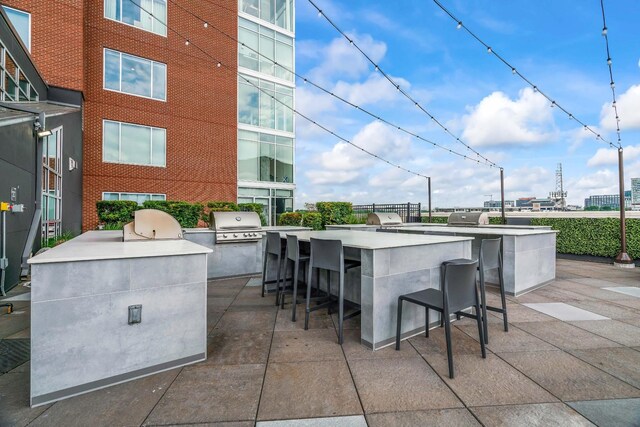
[(409, 212)]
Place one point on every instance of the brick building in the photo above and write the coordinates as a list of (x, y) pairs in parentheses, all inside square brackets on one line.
[(160, 118)]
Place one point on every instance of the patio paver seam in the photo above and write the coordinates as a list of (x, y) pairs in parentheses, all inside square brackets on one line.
[(161, 397), (447, 385), (266, 365)]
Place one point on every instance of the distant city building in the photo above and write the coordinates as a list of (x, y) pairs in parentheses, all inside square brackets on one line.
[(635, 193), (498, 204), (611, 201), (533, 203)]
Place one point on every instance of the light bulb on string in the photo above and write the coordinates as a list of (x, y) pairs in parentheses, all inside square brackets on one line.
[(206, 24), (319, 14), (489, 49), (186, 42), (513, 70), (605, 31), (608, 61), (218, 65), (459, 25)]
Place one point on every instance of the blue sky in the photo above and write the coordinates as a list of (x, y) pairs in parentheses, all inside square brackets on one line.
[(556, 44)]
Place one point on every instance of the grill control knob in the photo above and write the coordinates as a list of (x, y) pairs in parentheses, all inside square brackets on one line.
[(235, 235), (245, 234), (224, 236)]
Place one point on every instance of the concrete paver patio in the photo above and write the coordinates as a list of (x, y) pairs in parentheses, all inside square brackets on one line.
[(264, 370)]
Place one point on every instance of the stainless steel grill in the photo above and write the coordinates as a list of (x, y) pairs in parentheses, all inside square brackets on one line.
[(384, 219), (236, 226), (467, 219)]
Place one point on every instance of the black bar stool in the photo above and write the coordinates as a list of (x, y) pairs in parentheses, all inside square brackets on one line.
[(273, 251), (329, 255), (491, 259), (458, 293), (297, 259)]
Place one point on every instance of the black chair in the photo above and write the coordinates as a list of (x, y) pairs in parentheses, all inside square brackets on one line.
[(458, 293), (295, 260), (329, 255), (273, 251), (490, 259)]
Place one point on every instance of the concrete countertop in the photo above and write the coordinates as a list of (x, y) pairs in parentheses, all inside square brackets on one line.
[(491, 231), (351, 226), (100, 245), (360, 240)]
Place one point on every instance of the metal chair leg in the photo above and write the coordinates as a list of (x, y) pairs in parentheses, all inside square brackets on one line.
[(278, 280), (308, 308), (502, 296), (264, 272), (426, 310), (296, 266), (341, 309), (480, 333), (447, 332), (483, 298), (399, 324)]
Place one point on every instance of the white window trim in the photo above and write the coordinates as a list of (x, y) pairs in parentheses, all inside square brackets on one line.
[(267, 77), (120, 144), (120, 193), (104, 75), (30, 26), (166, 24), (267, 24)]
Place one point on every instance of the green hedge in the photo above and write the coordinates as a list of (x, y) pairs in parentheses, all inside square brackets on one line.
[(116, 211), (312, 220), (593, 236), (254, 207), (291, 219), (187, 214), (334, 212), (223, 206), (435, 219)]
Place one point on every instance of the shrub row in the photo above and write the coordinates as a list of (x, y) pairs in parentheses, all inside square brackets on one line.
[(334, 212), (115, 213), (312, 220), (593, 236)]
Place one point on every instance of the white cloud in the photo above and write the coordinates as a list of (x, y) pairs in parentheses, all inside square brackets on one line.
[(318, 177), (339, 58), (375, 89), (498, 120), (628, 104), (609, 156)]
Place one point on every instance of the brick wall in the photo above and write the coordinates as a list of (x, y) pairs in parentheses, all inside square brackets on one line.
[(200, 109), (56, 39)]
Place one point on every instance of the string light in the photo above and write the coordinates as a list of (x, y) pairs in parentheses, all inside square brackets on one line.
[(206, 24), (392, 81), (289, 107), (186, 42), (614, 104), (513, 70), (459, 25)]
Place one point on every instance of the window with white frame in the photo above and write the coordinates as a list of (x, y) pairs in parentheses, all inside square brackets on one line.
[(21, 21), (139, 198), (133, 144), (272, 47), (265, 104), (52, 168), (148, 15), (278, 12), (134, 75)]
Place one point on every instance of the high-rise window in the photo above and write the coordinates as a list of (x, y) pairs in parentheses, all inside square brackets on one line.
[(14, 85), (21, 21), (272, 45), (134, 75), (149, 15), (52, 185), (139, 198), (264, 157), (133, 144), (278, 12), (265, 104)]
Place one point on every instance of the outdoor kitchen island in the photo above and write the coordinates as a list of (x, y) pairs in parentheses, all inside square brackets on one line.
[(529, 254), (104, 311), (393, 264)]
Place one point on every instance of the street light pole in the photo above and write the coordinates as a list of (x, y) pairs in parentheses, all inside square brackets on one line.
[(623, 259)]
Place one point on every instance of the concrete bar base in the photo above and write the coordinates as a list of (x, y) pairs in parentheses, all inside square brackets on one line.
[(81, 339)]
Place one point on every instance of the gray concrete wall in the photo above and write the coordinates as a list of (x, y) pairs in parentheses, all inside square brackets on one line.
[(80, 336)]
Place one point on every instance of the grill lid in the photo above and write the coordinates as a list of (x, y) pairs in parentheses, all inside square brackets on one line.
[(467, 219), (384, 218), (152, 224), (221, 221)]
